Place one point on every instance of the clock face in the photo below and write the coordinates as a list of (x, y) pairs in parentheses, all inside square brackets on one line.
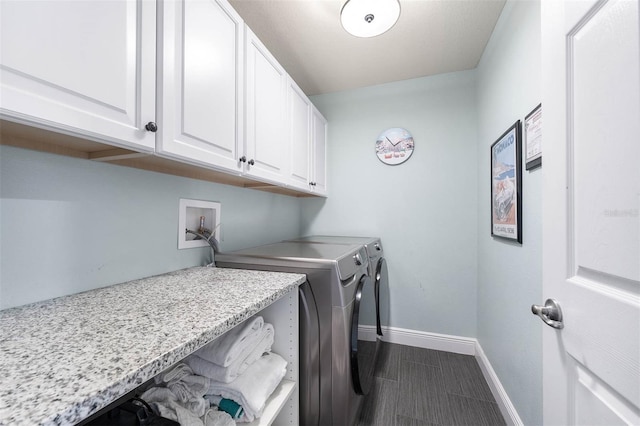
[(394, 146)]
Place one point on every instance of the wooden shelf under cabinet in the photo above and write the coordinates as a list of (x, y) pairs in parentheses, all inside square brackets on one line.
[(33, 138)]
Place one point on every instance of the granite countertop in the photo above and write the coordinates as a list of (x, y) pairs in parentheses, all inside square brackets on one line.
[(64, 359)]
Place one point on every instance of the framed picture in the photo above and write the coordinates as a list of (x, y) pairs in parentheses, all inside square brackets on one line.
[(506, 185), (533, 138)]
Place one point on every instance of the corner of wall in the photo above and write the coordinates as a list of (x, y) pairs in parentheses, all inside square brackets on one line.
[(501, 396), (509, 275)]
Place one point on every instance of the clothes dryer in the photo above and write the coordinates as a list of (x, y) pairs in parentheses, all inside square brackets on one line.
[(377, 271), (336, 364)]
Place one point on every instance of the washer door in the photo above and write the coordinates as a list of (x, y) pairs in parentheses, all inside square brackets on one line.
[(382, 293), (363, 352), (309, 356)]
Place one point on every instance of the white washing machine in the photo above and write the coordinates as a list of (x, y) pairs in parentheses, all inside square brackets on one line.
[(336, 364), (377, 271)]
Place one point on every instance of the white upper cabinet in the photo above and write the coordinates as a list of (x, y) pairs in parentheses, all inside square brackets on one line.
[(184, 79), (319, 152), (299, 133), (307, 131), (201, 83), (85, 68), (266, 142)]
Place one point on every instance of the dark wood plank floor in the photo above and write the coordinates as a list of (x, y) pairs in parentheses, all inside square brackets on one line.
[(416, 387)]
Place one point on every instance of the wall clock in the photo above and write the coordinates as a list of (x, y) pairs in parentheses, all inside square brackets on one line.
[(394, 146)]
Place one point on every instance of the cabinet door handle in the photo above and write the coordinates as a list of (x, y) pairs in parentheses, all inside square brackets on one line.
[(243, 159), (251, 162), (151, 127)]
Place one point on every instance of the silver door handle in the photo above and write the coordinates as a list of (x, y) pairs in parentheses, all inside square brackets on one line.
[(550, 313)]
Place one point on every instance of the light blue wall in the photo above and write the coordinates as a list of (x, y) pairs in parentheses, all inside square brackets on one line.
[(425, 210), (510, 276), (69, 225), (447, 274)]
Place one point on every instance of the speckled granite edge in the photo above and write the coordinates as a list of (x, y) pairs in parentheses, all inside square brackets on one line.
[(66, 358)]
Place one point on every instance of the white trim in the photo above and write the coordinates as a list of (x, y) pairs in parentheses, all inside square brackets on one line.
[(422, 339), (455, 344), (189, 212), (499, 393), (367, 333)]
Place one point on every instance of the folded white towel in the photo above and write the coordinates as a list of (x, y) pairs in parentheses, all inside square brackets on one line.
[(252, 388), (234, 344), (214, 371), (265, 341)]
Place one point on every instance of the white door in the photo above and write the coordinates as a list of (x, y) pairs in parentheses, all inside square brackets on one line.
[(319, 158), (591, 231), (299, 129), (201, 83), (85, 68), (266, 142)]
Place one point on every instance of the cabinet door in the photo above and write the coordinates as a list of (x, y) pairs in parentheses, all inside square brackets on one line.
[(85, 68), (266, 144), (319, 158), (299, 123), (201, 83)]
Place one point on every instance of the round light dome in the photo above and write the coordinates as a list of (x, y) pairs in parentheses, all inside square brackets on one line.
[(369, 18)]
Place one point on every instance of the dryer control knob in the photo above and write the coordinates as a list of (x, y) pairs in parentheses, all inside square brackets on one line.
[(377, 246), (357, 259)]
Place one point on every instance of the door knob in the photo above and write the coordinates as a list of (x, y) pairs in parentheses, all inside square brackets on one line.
[(151, 127), (550, 313)]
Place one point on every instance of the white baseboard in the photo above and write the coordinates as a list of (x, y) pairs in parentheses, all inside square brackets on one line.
[(502, 399), (421, 339), (455, 344)]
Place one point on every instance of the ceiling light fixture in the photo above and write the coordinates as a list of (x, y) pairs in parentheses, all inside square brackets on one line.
[(369, 18)]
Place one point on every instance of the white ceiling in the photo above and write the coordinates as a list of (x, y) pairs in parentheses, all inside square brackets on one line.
[(431, 37)]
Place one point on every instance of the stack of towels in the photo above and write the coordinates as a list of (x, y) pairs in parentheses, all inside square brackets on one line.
[(230, 355), (234, 374), (241, 367)]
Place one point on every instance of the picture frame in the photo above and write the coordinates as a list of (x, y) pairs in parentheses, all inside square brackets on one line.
[(506, 185), (533, 138)]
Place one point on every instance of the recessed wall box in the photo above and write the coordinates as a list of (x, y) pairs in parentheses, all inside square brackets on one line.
[(189, 217)]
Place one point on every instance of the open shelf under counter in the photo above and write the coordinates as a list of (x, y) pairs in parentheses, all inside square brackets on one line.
[(277, 410), (65, 359), (282, 407)]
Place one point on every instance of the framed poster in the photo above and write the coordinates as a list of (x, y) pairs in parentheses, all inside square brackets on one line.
[(533, 138), (506, 185)]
